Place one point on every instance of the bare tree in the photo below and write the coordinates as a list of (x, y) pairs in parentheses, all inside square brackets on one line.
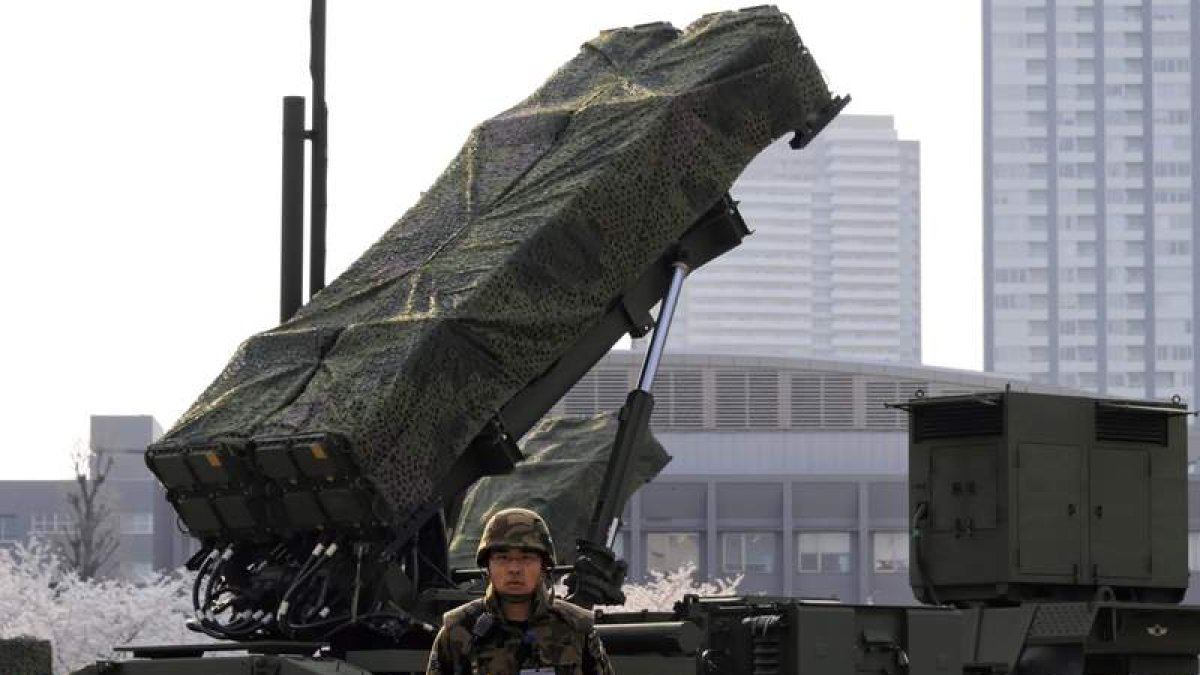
[(93, 540)]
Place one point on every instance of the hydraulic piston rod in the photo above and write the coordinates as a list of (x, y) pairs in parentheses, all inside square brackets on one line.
[(659, 339)]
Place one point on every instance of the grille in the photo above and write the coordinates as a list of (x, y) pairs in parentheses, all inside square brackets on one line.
[(1130, 426), (954, 419), (822, 401), (747, 399), (678, 399)]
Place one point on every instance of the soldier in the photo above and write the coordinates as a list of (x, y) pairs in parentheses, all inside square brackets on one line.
[(518, 627)]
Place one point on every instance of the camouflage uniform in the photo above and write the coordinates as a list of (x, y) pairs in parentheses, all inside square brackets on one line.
[(559, 637)]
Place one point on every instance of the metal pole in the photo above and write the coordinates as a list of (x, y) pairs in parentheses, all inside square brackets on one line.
[(663, 326), (320, 144), (291, 259)]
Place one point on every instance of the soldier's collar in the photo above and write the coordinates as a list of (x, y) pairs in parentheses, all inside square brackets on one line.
[(539, 604)]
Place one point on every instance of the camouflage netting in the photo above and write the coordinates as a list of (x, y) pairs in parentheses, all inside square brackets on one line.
[(559, 479), (547, 214), (25, 656)]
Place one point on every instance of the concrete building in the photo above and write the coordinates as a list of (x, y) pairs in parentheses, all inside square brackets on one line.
[(833, 267), (1089, 218), (788, 471), (144, 523)]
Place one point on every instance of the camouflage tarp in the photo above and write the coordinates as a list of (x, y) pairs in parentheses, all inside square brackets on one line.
[(559, 479), (547, 214)]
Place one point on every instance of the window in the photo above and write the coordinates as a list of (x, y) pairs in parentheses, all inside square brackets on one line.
[(137, 523), (51, 523), (1193, 547), (748, 552), (669, 551), (8, 528), (827, 552), (891, 552)]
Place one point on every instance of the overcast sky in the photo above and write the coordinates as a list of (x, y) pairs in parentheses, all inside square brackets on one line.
[(139, 172)]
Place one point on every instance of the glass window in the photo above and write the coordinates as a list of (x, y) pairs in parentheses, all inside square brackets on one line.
[(823, 552), (51, 523), (1193, 548), (743, 552), (891, 552), (669, 551)]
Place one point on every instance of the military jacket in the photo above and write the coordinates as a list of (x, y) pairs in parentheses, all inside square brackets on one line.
[(559, 638)]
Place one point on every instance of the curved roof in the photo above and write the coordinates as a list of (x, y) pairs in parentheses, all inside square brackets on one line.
[(711, 391)]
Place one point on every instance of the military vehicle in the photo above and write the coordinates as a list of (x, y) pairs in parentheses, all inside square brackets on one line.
[(326, 469)]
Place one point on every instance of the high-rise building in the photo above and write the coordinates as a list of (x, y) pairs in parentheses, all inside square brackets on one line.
[(833, 267), (1089, 222)]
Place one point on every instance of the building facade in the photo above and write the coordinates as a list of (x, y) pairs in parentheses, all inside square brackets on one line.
[(833, 267), (142, 520), (790, 472), (1089, 216)]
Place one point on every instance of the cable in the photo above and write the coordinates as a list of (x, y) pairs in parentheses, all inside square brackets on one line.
[(919, 514)]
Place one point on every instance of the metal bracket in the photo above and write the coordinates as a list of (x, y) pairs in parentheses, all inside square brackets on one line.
[(817, 121)]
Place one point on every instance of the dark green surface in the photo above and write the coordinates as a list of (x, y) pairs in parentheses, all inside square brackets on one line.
[(1066, 495), (560, 480), (547, 214), (25, 656)]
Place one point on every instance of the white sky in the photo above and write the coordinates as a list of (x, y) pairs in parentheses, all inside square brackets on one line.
[(139, 171)]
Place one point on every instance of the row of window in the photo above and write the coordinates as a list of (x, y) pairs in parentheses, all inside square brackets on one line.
[(1132, 222), (61, 523), (1038, 170), (1087, 196), (758, 552)]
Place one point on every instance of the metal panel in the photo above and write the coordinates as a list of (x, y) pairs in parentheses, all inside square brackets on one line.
[(786, 452), (664, 501), (824, 639), (825, 500), (888, 500), (1000, 635), (749, 500), (659, 665), (934, 642), (1049, 532), (1120, 512), (963, 482)]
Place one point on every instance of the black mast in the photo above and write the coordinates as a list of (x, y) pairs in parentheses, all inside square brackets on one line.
[(320, 158), (291, 276)]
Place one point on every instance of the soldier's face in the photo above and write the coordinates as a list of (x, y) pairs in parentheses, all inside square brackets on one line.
[(515, 572)]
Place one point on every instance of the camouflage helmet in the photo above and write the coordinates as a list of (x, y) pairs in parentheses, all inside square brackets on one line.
[(515, 528)]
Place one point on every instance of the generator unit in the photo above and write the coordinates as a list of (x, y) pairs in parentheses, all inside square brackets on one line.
[(1021, 496)]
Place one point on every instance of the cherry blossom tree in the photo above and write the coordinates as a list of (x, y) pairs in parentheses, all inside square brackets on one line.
[(84, 619), (664, 589)]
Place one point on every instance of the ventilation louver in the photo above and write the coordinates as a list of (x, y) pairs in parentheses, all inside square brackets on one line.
[(954, 419), (1130, 426)]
